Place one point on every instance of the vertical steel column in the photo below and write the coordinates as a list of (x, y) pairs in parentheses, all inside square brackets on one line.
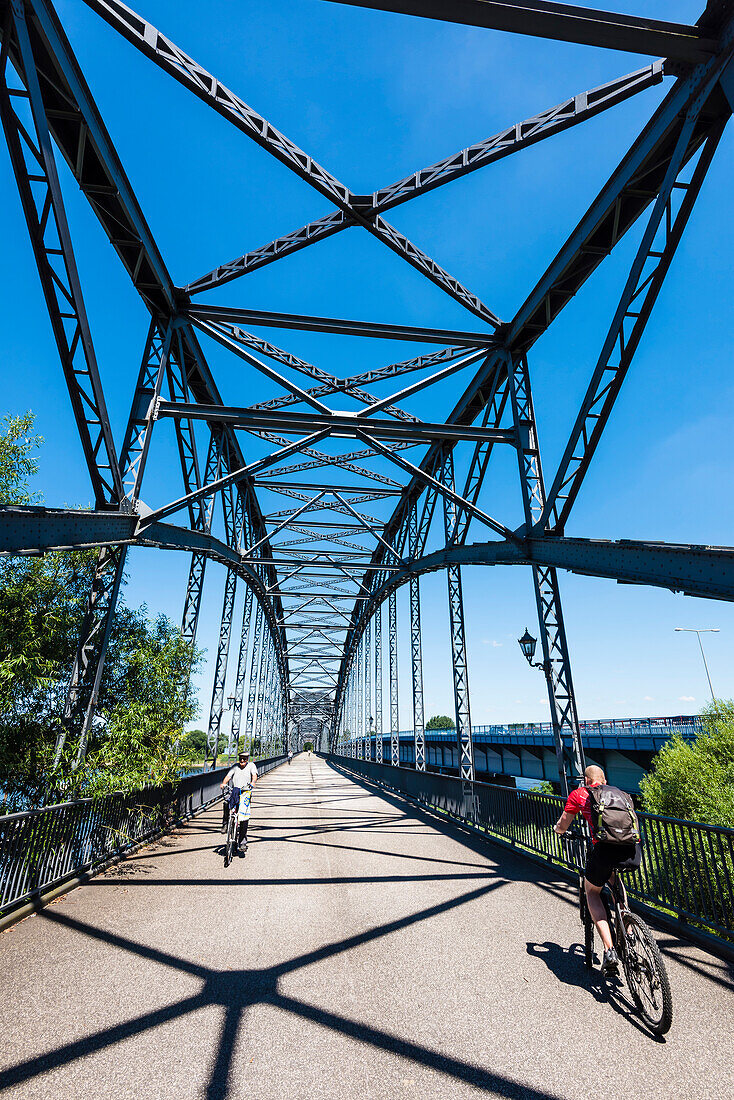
[(220, 667), (419, 737), (109, 570), (91, 650), (368, 688), (239, 690), (359, 684), (394, 713), (556, 661), (378, 683), (262, 689), (195, 585), (458, 650), (255, 661)]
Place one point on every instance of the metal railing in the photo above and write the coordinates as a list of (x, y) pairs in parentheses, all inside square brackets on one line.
[(687, 867), (687, 725), (40, 849)]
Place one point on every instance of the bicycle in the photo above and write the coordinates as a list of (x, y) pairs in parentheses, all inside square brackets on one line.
[(635, 944), (230, 844)]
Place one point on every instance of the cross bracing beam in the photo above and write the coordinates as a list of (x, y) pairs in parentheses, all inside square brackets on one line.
[(338, 424), (145, 37), (374, 329), (513, 138), (563, 22), (391, 370), (230, 336), (317, 486)]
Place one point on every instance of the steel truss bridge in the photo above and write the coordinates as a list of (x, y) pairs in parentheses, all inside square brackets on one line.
[(318, 641)]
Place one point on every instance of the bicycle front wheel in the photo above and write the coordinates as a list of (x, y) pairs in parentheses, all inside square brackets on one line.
[(229, 846), (646, 976)]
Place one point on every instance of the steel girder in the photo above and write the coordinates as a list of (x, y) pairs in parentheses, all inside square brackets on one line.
[(566, 23), (695, 570)]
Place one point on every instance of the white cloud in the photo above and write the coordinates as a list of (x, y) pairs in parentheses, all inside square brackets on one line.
[(495, 644), (687, 698), (647, 699)]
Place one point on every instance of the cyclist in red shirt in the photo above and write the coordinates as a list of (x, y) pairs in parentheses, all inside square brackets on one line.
[(601, 863)]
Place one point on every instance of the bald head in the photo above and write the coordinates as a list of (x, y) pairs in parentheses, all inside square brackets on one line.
[(594, 774)]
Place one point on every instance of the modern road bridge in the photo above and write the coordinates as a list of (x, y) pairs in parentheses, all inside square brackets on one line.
[(370, 496), (361, 949)]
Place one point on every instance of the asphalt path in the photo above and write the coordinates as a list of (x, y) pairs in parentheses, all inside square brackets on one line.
[(360, 950)]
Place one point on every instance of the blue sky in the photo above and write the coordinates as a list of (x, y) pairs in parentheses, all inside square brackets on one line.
[(373, 97)]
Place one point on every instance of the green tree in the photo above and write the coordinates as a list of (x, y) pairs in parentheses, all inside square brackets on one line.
[(695, 780), (17, 463), (440, 722), (197, 741), (147, 715), (142, 707)]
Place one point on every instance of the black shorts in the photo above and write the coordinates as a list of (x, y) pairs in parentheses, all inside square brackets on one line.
[(604, 858)]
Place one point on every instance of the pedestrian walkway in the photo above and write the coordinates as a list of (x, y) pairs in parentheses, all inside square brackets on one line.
[(358, 951)]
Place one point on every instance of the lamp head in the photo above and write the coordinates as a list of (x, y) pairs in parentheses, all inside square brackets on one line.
[(527, 644)]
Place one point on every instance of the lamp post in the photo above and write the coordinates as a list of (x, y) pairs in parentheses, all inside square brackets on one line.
[(372, 722), (698, 633)]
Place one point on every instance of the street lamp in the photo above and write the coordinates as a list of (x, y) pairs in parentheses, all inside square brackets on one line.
[(527, 644), (698, 633), (372, 722)]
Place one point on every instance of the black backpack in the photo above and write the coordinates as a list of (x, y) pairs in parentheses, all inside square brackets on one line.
[(613, 816)]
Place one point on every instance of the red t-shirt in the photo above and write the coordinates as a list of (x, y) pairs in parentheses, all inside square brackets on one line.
[(578, 800)]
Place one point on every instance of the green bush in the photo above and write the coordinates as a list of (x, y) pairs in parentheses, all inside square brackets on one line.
[(695, 781), (440, 722)]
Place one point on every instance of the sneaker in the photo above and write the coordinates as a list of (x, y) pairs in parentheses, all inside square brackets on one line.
[(242, 850), (610, 963)]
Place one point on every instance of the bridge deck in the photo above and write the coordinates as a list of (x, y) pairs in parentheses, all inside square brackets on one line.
[(358, 951)]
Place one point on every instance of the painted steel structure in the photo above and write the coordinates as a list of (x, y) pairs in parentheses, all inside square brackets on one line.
[(358, 518)]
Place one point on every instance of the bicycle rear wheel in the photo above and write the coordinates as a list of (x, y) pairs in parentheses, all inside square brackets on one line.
[(646, 976)]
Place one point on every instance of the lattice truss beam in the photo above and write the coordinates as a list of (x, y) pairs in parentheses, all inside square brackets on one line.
[(338, 494)]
